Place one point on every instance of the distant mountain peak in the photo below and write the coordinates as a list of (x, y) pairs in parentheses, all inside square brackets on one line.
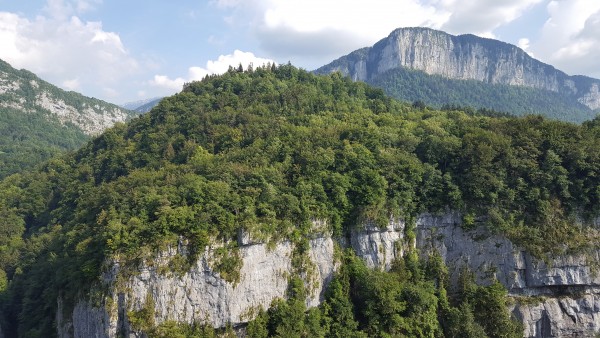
[(462, 57), (142, 106)]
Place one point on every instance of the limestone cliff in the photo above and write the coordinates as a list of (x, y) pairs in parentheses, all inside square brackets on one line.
[(200, 294), (558, 299), (463, 57)]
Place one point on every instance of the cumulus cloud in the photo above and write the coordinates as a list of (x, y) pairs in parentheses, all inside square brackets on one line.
[(320, 29), (72, 84), (525, 44), (570, 38), (481, 17), (59, 45), (219, 66), (291, 28)]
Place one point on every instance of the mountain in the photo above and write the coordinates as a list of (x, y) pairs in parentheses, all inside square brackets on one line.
[(438, 68), (38, 119), (275, 202), (142, 106)]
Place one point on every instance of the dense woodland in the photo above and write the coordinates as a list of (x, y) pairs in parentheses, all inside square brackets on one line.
[(30, 139), (271, 149), (437, 91)]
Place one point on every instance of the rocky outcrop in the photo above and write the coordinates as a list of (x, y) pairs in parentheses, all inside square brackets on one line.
[(379, 247), (23, 91), (564, 316), (200, 294), (560, 298), (463, 57)]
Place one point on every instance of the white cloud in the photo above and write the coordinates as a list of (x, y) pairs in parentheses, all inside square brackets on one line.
[(63, 49), (164, 82), (72, 84), (63, 9), (330, 28), (219, 66), (481, 17), (322, 29), (570, 38), (523, 43)]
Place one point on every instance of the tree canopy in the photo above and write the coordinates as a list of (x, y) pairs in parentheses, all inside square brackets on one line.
[(269, 151)]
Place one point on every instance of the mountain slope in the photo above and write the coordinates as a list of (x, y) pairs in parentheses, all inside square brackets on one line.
[(492, 63), (179, 208), (142, 106), (38, 119)]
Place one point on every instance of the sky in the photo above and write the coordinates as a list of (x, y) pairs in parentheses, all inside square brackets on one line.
[(128, 50)]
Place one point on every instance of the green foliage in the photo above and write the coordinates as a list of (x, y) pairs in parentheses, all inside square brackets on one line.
[(30, 139), (143, 319), (483, 307), (269, 151), (367, 303), (437, 91)]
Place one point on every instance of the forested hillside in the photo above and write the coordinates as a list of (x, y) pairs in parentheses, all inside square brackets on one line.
[(437, 91), (269, 151), (39, 120), (423, 64)]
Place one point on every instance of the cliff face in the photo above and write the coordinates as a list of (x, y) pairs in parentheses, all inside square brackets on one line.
[(200, 294), (464, 57), (558, 299)]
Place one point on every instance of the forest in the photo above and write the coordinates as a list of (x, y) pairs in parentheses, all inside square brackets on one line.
[(414, 85), (271, 149)]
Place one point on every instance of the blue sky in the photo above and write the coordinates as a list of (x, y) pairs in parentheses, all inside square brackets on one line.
[(128, 50)]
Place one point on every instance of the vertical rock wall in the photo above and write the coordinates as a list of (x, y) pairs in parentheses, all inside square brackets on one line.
[(558, 299), (463, 57)]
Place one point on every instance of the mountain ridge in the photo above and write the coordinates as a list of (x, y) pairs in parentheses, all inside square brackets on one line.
[(38, 119), (25, 91), (463, 57), (159, 227)]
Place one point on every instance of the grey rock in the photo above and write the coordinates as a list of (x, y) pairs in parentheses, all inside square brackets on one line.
[(560, 298), (567, 289), (200, 294), (561, 317), (378, 247)]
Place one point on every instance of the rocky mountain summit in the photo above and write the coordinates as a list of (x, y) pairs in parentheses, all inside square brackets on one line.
[(463, 57)]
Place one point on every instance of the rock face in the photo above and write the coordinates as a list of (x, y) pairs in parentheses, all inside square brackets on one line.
[(201, 295), (463, 57), (563, 297), (24, 92), (558, 299), (379, 247)]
